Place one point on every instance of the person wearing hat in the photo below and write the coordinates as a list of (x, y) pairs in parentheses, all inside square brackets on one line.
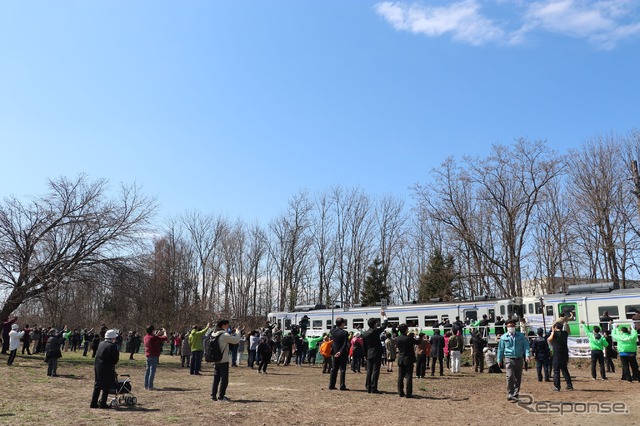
[(541, 352), (104, 368), (52, 352), (512, 348), (14, 342)]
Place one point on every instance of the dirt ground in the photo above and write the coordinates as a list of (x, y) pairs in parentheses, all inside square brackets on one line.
[(299, 396)]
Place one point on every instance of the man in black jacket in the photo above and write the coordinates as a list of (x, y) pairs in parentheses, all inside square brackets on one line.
[(340, 351), (105, 374), (437, 350), (373, 351), (406, 360)]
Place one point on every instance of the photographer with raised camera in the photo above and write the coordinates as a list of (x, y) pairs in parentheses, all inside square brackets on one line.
[(152, 349)]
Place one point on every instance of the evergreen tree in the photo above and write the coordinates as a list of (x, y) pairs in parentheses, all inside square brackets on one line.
[(436, 281), (375, 284)]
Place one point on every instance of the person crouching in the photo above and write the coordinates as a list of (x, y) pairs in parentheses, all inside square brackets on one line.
[(105, 374)]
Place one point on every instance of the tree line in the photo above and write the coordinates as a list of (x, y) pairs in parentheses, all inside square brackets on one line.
[(524, 218)]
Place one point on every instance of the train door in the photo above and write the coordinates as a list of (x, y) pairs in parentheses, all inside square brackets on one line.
[(571, 310)]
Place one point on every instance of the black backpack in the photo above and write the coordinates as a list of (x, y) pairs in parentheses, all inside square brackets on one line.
[(214, 353)]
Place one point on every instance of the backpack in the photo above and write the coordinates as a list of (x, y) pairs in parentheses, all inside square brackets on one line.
[(214, 353)]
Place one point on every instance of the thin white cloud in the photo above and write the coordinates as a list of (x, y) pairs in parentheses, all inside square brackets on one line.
[(600, 22), (604, 23), (462, 20)]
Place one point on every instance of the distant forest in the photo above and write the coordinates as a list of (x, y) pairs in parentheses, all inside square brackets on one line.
[(522, 219)]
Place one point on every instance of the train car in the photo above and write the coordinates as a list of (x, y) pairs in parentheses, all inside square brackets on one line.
[(417, 316), (585, 302)]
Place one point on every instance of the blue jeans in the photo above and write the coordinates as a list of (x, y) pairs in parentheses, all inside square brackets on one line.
[(196, 362), (150, 371)]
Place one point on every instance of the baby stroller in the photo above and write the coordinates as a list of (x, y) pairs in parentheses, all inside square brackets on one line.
[(122, 392)]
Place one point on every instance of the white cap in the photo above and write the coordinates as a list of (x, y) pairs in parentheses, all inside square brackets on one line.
[(110, 334), (15, 327)]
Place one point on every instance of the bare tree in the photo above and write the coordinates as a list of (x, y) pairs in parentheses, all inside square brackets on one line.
[(324, 245), (290, 248), (48, 240)]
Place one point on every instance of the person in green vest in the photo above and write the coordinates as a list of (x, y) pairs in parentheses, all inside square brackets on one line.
[(313, 348), (627, 348), (597, 343), (195, 342)]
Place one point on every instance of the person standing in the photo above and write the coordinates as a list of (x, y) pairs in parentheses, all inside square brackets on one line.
[(512, 348), (87, 337), (628, 348), (340, 351), (52, 352), (499, 326), (423, 351), (437, 351), (6, 329), (597, 344), (26, 340), (609, 352), (95, 342), (185, 351), (14, 342), (264, 354), (325, 351), (133, 343), (254, 341), (406, 361), (104, 369), (542, 354), (390, 345), (455, 349), (478, 343), (152, 342), (373, 351), (221, 368), (195, 342), (558, 340)]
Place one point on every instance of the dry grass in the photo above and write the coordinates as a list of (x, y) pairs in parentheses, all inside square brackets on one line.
[(291, 395)]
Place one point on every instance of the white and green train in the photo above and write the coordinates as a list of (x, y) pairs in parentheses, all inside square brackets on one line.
[(586, 302)]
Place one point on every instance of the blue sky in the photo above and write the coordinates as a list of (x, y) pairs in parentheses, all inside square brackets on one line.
[(232, 107)]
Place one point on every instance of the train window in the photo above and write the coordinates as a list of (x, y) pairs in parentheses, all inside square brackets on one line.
[(444, 318), (510, 309), (549, 309), (316, 324), (413, 322), (538, 308), (394, 321), (329, 325), (492, 315), (530, 308), (430, 320), (502, 310), (630, 310), (611, 310), (358, 323), (287, 324), (470, 316), (280, 324), (346, 323)]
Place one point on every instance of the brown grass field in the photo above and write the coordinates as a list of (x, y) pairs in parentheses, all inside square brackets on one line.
[(297, 396)]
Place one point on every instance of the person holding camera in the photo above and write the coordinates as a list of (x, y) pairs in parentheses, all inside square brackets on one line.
[(559, 341), (152, 342)]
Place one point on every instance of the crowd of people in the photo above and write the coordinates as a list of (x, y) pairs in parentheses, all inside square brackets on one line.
[(415, 354)]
